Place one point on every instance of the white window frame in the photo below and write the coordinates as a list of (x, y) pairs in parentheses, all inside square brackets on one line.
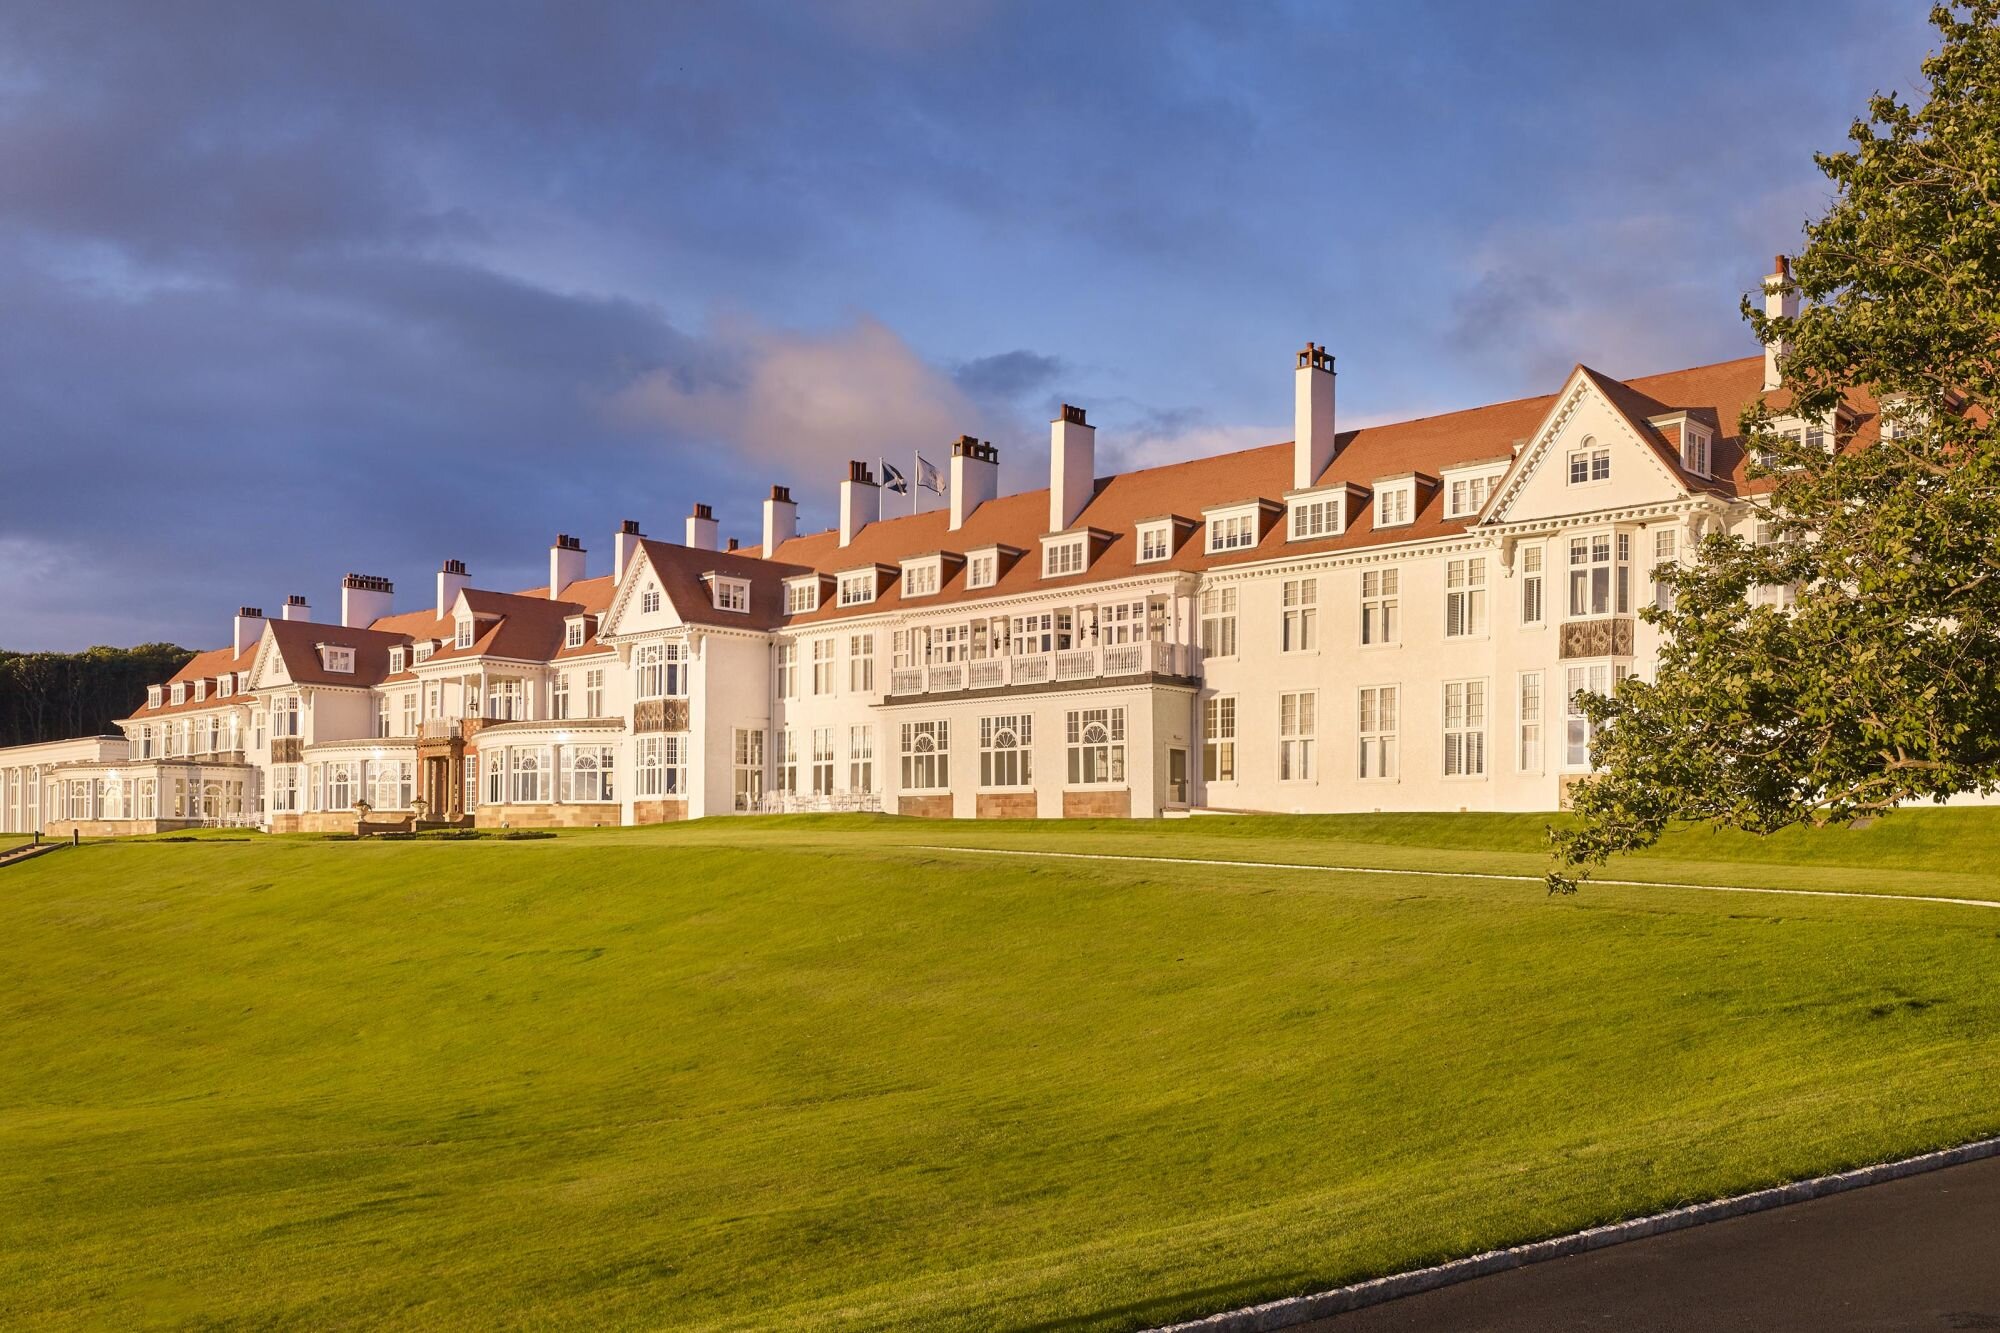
[(1218, 738), (1316, 517), (1530, 706), (1298, 731), (1006, 752), (731, 594), (801, 596), (463, 637), (1464, 728), (861, 663), (1605, 568), (1465, 494), (1534, 585), (1096, 746), (1065, 557), (1378, 732), (861, 758), (1155, 542), (926, 755), (338, 658), (1232, 530), (1298, 601), (1396, 504), (982, 569), (1697, 453), (1589, 464), (649, 600), (922, 578), (1465, 597), (1217, 607), (857, 589)]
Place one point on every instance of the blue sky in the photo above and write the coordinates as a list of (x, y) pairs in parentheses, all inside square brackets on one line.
[(292, 290)]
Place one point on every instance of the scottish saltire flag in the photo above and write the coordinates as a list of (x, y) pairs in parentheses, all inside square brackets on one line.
[(928, 475), (892, 478)]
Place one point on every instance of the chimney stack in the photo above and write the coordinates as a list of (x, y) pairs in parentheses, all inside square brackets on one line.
[(249, 625), (860, 501), (781, 519), (623, 547), (1781, 301), (975, 478), (365, 599), (1312, 417), (566, 562), (296, 609), (701, 528), (452, 580), (1072, 466)]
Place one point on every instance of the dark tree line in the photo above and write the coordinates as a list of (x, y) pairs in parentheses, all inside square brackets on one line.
[(54, 696)]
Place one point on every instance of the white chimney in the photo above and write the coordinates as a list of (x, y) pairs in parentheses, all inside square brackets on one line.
[(702, 528), (364, 599), (1781, 301), (1312, 417), (1072, 467), (249, 626), (975, 478), (624, 547), (781, 519), (860, 501), (452, 580), (565, 564), (296, 609)]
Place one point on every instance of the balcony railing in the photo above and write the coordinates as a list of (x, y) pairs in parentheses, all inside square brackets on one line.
[(1070, 664)]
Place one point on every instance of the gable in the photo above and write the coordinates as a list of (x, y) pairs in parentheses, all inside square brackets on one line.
[(1585, 424), (627, 613)]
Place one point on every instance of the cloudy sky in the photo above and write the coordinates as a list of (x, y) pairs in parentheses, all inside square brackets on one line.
[(288, 290)]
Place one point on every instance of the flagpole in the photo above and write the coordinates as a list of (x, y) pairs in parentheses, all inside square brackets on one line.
[(916, 470)]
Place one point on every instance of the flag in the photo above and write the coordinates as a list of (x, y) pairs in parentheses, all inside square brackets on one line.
[(928, 475), (892, 478)]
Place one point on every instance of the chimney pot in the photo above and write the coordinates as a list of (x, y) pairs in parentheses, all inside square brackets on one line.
[(1074, 414), (975, 478), (630, 527), (781, 519), (364, 599), (567, 562), (702, 533), (860, 501), (451, 580), (253, 612), (1072, 467), (732, 543), (1313, 441)]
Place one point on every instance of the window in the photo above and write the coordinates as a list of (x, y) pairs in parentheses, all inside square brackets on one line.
[(1466, 496), (391, 783), (861, 663), (1591, 462), (1375, 729), (1601, 678), (926, 756), (285, 789), (225, 685), (180, 692), (788, 762), (531, 765), (1299, 599), (801, 596), (496, 777), (1156, 542), (1096, 746), (1534, 602), (856, 589), (822, 761), (573, 634), (661, 766), (593, 692), (1064, 557), (1218, 738), (201, 689), (749, 753), (732, 595), (559, 696), (1232, 532), (1694, 449), (145, 742), (1594, 576), (649, 601), (382, 716), (1218, 622), (822, 660), (409, 713), (285, 715), (1394, 505), (861, 758), (471, 788), (1004, 744), (1465, 728), (1666, 551), (343, 784), (1298, 720), (1315, 518), (423, 653), (786, 655), (1530, 757), (920, 580), (1465, 597), (660, 671), (152, 696), (982, 571), (587, 773), (1380, 621)]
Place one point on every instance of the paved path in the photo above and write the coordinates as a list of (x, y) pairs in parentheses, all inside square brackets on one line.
[(1917, 1253)]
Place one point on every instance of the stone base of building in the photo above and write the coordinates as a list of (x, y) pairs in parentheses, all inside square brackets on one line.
[(924, 807), (1005, 805), (340, 821), (547, 816), (659, 812), (1114, 804)]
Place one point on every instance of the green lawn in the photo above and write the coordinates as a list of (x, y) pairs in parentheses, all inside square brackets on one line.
[(813, 1073)]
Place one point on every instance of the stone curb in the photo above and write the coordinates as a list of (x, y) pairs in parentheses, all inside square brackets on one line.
[(1293, 1310)]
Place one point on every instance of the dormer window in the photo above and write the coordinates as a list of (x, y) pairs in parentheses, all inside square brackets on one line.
[(1319, 516), (201, 689), (573, 634), (1465, 496), (464, 636), (802, 595), (1695, 449), (1395, 504), (732, 594), (649, 601), (180, 692), (397, 660), (152, 696), (424, 651), (857, 589), (337, 658), (982, 570), (920, 578), (1232, 532), (1589, 463), (1065, 556), (225, 685), (1156, 541)]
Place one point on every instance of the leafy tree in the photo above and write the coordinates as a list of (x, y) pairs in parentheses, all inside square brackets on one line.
[(1882, 684), (54, 696)]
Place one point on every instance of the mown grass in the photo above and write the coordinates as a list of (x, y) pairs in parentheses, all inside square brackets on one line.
[(831, 1073)]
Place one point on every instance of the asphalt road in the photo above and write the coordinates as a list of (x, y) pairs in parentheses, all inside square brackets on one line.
[(1918, 1253)]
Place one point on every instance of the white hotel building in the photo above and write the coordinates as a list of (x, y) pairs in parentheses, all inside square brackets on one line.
[(1390, 618)]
